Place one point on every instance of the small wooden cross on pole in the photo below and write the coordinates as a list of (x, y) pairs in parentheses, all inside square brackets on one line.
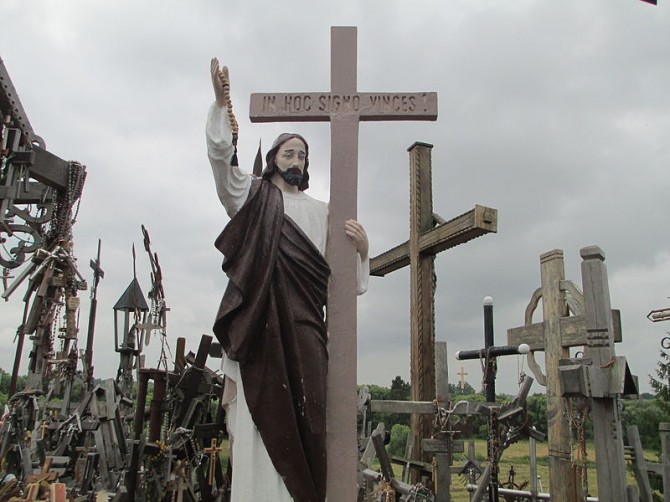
[(344, 107), (462, 374)]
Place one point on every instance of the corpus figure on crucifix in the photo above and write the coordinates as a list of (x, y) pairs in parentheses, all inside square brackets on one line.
[(271, 321)]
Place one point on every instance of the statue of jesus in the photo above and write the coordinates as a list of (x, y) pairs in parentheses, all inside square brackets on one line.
[(271, 321)]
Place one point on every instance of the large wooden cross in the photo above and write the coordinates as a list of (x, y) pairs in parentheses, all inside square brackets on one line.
[(555, 335), (425, 241), (344, 107)]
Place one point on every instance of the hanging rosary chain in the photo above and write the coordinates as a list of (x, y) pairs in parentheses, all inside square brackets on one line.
[(577, 418), (76, 177), (225, 83)]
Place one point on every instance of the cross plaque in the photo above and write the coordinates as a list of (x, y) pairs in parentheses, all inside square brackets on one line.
[(344, 107)]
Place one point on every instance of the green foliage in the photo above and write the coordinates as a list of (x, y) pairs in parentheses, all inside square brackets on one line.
[(399, 391), (5, 379), (398, 443), (536, 405), (660, 384), (646, 414), (455, 390)]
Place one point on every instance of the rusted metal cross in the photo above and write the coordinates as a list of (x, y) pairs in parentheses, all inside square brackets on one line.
[(344, 107)]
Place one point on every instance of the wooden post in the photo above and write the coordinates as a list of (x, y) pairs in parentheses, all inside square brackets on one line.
[(639, 464), (443, 459), (441, 372), (155, 411), (179, 362), (343, 107), (611, 468), (553, 336), (422, 304), (131, 480), (664, 431), (563, 481)]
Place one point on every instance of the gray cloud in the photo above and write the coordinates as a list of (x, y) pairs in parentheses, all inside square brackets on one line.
[(556, 114)]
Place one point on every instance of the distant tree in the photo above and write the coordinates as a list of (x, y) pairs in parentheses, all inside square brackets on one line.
[(536, 406), (456, 390), (646, 414), (398, 443), (6, 378), (661, 384), (399, 391)]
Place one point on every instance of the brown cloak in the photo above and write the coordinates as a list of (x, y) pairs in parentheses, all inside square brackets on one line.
[(271, 320)]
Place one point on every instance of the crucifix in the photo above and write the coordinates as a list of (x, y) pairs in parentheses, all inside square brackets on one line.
[(213, 452), (488, 356), (555, 335), (344, 107), (429, 235)]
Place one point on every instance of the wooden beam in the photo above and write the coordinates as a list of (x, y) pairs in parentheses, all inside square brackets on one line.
[(573, 332), (421, 407), (475, 223)]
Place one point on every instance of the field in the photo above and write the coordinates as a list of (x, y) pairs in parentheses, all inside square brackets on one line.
[(517, 456)]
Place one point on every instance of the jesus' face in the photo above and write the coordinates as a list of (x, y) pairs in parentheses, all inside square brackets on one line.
[(290, 161)]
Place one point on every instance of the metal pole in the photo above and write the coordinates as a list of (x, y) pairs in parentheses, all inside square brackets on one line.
[(532, 445), (490, 380)]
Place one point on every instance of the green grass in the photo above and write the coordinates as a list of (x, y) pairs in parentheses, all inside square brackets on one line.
[(517, 455)]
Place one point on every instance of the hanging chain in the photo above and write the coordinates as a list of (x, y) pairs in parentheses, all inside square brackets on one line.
[(577, 418)]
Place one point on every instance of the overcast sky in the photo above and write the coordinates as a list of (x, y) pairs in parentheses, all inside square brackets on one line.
[(555, 113)]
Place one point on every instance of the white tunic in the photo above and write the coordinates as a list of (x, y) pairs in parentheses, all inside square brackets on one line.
[(254, 475)]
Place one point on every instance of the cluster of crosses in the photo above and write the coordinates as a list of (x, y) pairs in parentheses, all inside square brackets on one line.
[(599, 377)]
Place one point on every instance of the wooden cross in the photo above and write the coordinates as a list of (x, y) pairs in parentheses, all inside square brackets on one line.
[(555, 335), (426, 239), (344, 107), (213, 452), (600, 376), (442, 447), (462, 374)]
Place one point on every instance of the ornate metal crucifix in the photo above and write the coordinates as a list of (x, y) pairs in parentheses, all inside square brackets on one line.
[(344, 107)]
